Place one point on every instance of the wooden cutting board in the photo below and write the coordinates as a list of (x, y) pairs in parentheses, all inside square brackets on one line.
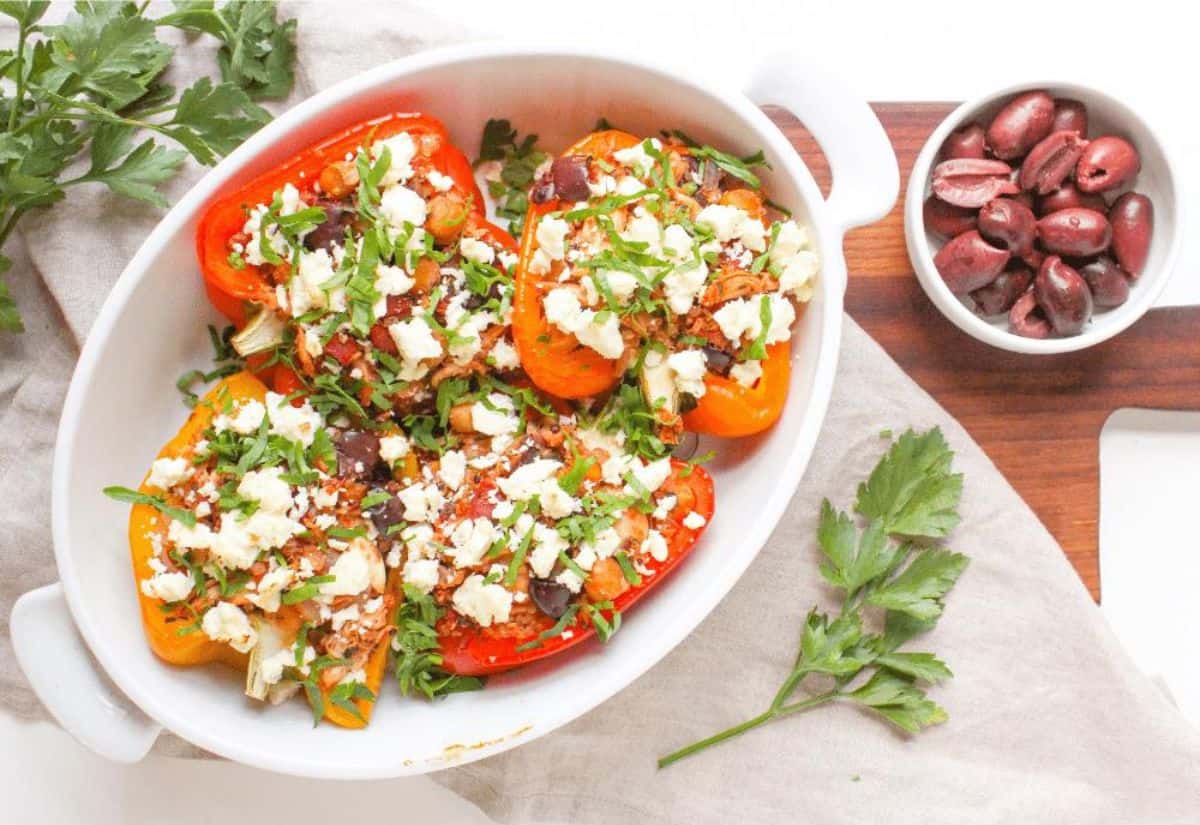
[(1037, 417)]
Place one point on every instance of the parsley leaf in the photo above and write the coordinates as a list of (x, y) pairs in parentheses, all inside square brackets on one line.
[(97, 80), (911, 492), (519, 161), (124, 494)]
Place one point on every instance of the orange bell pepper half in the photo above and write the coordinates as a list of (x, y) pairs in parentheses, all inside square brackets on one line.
[(555, 360), (230, 288), (730, 410), (162, 627), (468, 650)]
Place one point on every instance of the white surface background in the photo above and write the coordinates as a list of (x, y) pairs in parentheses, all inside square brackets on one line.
[(1145, 53)]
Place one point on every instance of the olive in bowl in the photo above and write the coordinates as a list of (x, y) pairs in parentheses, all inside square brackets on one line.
[(1028, 174)]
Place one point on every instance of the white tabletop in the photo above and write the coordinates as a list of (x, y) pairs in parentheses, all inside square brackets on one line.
[(944, 50)]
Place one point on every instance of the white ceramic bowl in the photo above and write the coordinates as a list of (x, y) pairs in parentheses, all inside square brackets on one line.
[(1157, 180), (122, 405)]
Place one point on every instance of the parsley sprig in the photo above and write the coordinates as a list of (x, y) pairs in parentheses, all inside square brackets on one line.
[(519, 160), (94, 84), (893, 567), (418, 660)]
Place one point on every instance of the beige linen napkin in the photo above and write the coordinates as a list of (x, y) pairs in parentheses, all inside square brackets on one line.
[(1049, 722)]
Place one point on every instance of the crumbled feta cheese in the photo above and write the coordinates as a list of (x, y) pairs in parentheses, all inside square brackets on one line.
[(400, 205), (688, 369), (526, 481), (729, 223), (325, 499), (665, 505), (452, 468), (615, 466), (422, 574), (568, 579), (677, 243), (651, 476), (683, 284), (637, 158), (644, 228), (655, 545), (469, 540), (392, 448), (418, 539), (169, 587), (165, 473), (621, 284), (547, 544), (797, 277), (551, 237), (565, 312), (791, 239), (694, 521), (782, 316), (199, 537), (556, 502), (312, 343), (476, 250), (504, 355), (401, 149), (246, 418), (607, 542), (539, 263), (498, 421), (486, 604), (740, 317), (421, 502), (291, 422), (629, 185), (392, 280), (746, 373), (416, 342), (440, 182), (273, 494), (352, 572), (225, 622), (271, 587)]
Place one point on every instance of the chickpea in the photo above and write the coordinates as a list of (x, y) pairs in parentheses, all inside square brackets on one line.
[(461, 420), (426, 275), (745, 199), (447, 217), (338, 179), (605, 581)]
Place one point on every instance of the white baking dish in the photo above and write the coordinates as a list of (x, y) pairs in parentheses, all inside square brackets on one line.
[(122, 406)]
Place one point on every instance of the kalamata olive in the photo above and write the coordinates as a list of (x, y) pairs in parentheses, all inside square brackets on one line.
[(1022, 122), (968, 262), (1000, 295), (330, 231), (570, 177), (1074, 232), (550, 597), (1008, 223), (964, 142), (945, 219), (1050, 161), (1063, 295), (1107, 163), (357, 452), (1132, 219), (1108, 282), (970, 183), (387, 514), (1067, 196), (719, 361), (1070, 116), (1026, 318)]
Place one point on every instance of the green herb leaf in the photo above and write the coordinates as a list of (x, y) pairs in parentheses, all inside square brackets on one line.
[(128, 496), (911, 489), (919, 589)]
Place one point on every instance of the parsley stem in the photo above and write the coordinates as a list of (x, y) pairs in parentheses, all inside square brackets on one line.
[(764, 717), (19, 96)]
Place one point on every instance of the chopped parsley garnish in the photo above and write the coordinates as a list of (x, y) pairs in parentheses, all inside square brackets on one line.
[(124, 494), (519, 162), (418, 661)]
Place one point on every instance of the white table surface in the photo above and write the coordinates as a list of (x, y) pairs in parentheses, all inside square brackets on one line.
[(889, 51)]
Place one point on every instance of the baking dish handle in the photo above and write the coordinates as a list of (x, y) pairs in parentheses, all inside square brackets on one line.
[(866, 177), (70, 683)]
